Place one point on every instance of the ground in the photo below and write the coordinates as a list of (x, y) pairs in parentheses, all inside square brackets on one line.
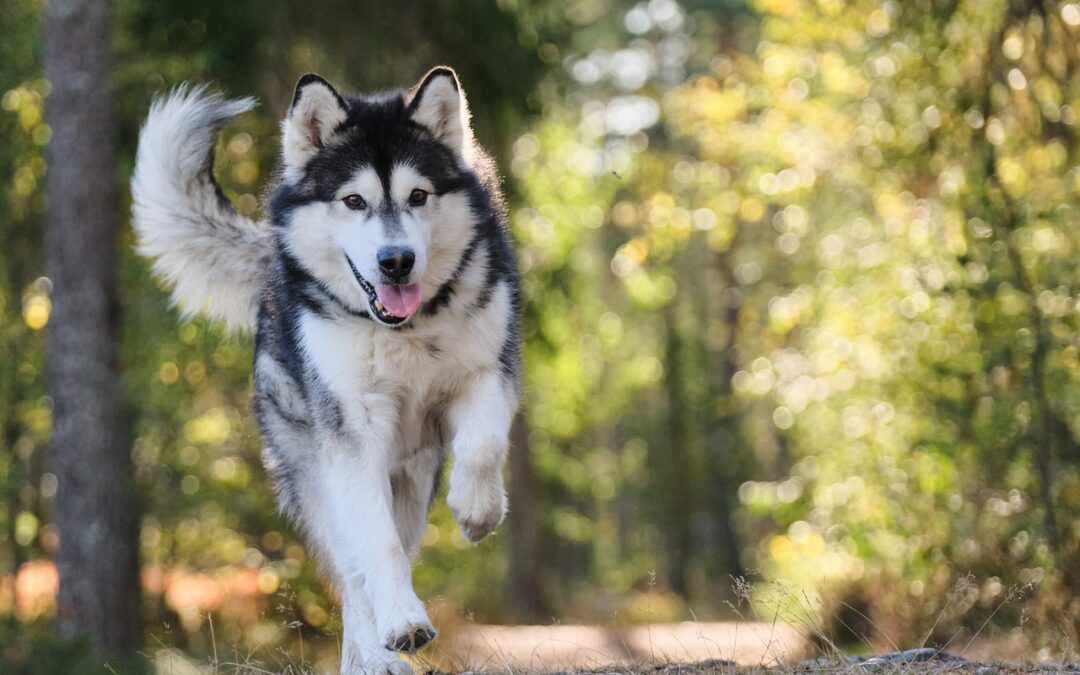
[(688, 648)]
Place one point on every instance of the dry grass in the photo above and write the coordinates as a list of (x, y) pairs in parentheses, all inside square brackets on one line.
[(792, 640)]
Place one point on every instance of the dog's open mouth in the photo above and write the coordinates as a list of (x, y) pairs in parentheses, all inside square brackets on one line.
[(390, 304)]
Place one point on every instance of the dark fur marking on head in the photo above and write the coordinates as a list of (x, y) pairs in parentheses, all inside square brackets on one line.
[(379, 133)]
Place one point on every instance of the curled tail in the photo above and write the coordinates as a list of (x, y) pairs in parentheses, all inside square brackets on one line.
[(213, 258)]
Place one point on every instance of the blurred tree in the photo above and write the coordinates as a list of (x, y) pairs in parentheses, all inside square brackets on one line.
[(525, 595), (95, 513)]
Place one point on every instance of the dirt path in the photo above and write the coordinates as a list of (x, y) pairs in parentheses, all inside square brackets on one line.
[(690, 648), (565, 647)]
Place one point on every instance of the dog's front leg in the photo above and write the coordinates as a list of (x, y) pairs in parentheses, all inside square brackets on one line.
[(480, 421), (362, 652), (373, 563)]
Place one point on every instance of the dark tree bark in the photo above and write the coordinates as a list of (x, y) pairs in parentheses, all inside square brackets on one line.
[(671, 464), (727, 463), (94, 511), (526, 595)]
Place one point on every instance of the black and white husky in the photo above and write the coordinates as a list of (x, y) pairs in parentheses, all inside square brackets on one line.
[(383, 292)]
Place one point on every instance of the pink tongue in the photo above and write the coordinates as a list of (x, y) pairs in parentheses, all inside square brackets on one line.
[(401, 301)]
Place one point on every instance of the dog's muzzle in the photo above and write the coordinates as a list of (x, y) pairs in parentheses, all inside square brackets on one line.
[(375, 306)]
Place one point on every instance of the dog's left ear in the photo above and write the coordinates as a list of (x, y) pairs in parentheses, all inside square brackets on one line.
[(438, 103)]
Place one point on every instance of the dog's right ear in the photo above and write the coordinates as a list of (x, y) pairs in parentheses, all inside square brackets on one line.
[(316, 112)]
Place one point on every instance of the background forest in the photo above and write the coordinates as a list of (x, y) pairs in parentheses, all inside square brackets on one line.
[(803, 300)]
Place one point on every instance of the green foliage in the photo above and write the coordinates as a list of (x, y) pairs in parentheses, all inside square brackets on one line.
[(845, 258)]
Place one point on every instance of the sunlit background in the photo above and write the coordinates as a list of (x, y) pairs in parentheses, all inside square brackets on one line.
[(802, 308)]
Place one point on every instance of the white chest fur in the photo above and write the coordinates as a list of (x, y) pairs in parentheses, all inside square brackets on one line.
[(397, 379)]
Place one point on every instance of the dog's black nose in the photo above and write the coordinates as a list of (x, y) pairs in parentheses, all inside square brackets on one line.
[(396, 261)]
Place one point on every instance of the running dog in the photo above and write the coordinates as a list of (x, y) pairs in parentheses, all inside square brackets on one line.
[(383, 293)]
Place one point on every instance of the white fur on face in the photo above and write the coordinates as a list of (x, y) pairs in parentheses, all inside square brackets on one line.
[(446, 221), (403, 180), (311, 238), (360, 234), (322, 233)]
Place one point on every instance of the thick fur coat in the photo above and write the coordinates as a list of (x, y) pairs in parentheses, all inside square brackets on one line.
[(384, 297)]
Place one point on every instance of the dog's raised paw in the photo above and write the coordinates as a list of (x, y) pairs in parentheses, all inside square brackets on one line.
[(411, 640), (475, 530), (477, 500)]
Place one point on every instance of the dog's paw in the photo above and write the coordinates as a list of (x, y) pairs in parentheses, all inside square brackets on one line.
[(404, 626), (477, 500), (411, 639)]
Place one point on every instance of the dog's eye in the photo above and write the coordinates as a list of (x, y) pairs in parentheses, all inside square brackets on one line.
[(355, 202), (417, 197)]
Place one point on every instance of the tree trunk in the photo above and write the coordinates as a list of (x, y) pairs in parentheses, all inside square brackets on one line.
[(727, 460), (671, 463), (526, 596), (98, 555)]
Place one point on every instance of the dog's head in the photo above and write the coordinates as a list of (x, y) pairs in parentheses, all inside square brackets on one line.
[(374, 201)]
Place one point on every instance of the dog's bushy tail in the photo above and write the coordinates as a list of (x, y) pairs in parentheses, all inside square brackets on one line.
[(214, 259)]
